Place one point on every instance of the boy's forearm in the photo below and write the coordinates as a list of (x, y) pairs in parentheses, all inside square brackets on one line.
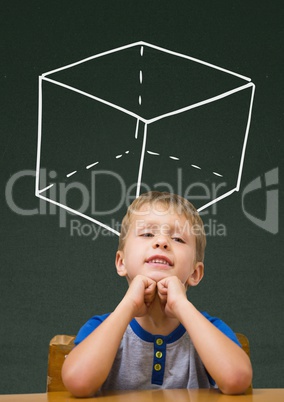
[(89, 363), (225, 361)]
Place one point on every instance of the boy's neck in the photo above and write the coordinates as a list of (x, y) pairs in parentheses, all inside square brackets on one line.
[(156, 321)]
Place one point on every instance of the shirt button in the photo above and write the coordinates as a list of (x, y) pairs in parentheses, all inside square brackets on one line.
[(159, 354), (159, 341), (157, 367)]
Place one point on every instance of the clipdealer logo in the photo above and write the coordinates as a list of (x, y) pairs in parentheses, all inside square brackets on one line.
[(267, 184)]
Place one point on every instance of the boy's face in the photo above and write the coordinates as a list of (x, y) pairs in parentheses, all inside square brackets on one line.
[(159, 243)]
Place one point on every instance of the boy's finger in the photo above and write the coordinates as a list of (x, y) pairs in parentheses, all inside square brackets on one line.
[(163, 298), (162, 291), (149, 298), (162, 286), (151, 287)]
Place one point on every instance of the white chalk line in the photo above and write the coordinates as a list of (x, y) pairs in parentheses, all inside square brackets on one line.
[(118, 49), (177, 159), (217, 199), (74, 211), (39, 133), (184, 56), (136, 130), (140, 76), (154, 119), (198, 104), (96, 98), (245, 139), (45, 189), (142, 44), (91, 165), (141, 162), (75, 171), (71, 174)]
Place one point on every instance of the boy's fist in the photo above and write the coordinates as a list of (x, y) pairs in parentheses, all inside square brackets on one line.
[(171, 291), (141, 294)]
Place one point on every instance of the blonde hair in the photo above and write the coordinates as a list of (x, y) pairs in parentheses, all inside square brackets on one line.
[(179, 204)]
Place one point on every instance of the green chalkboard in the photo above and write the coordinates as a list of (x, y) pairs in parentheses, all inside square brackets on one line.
[(104, 100)]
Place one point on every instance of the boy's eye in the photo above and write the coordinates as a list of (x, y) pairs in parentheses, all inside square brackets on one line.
[(147, 234), (178, 239)]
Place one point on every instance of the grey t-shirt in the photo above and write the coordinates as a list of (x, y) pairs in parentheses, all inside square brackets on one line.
[(147, 361)]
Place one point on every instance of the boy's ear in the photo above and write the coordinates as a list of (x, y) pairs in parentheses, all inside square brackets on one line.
[(119, 263), (197, 274)]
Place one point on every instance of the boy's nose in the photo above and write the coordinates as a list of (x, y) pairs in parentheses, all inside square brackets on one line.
[(160, 242)]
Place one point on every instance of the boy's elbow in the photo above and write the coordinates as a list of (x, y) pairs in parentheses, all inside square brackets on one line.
[(78, 384), (79, 387), (237, 382)]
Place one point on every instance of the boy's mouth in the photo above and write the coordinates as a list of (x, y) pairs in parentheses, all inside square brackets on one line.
[(160, 260)]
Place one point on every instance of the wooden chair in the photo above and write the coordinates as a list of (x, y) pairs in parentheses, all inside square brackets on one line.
[(244, 342), (61, 345), (245, 346)]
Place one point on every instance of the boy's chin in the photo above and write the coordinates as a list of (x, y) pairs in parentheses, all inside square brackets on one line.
[(158, 276)]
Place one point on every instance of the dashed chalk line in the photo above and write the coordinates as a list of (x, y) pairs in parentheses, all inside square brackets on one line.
[(177, 159), (71, 174)]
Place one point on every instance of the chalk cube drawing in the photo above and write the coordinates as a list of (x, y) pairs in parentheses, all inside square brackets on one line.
[(140, 117)]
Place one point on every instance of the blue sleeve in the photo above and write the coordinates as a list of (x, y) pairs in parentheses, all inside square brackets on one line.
[(226, 331), (89, 327), (222, 327)]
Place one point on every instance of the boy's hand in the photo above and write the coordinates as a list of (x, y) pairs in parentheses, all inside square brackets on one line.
[(172, 293), (141, 294)]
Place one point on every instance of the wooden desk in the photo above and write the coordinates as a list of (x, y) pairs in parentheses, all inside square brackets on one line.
[(176, 395)]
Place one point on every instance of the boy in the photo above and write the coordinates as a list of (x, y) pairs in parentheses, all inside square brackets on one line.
[(156, 338)]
